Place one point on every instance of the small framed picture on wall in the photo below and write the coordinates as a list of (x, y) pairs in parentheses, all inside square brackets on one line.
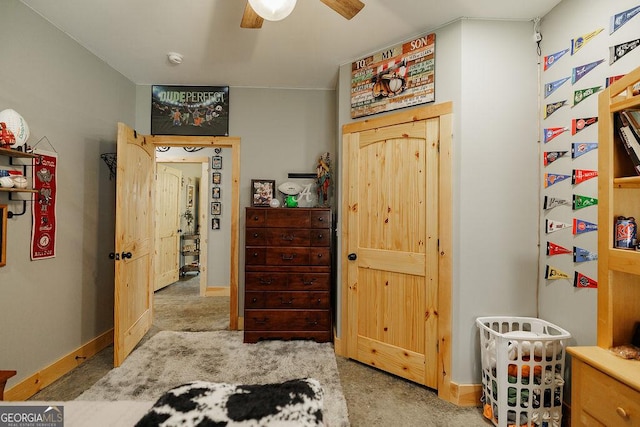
[(216, 208), (216, 162), (215, 193), (215, 223), (217, 178)]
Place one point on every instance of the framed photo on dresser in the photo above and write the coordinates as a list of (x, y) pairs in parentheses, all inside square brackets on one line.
[(262, 190)]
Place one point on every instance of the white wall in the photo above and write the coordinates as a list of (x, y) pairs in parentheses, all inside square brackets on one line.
[(488, 70), (48, 308), (561, 303)]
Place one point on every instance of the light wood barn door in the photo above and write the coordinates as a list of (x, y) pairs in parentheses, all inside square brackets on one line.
[(168, 221), (392, 242), (134, 241)]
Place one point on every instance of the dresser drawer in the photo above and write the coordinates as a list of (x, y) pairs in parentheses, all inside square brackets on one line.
[(319, 256), (288, 217), (288, 237), (287, 300), (605, 399), (317, 336), (287, 256), (256, 237), (321, 219), (255, 255), (320, 237), (269, 281), (256, 217), (287, 320)]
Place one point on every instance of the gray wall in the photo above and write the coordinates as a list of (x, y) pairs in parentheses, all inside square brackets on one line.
[(560, 302), (488, 70), (48, 308)]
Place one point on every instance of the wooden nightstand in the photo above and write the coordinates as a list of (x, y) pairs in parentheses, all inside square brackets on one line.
[(4, 376)]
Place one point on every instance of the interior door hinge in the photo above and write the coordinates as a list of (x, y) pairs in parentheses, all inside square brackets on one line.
[(438, 346)]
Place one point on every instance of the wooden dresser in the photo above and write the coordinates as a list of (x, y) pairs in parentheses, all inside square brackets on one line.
[(287, 274)]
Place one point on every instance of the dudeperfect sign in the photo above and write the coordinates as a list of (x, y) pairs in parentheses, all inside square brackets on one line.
[(31, 416)]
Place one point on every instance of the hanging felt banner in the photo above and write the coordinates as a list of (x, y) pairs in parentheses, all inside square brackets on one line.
[(582, 70), (553, 249), (554, 178), (618, 51), (580, 148), (550, 133), (551, 59), (553, 273), (549, 88), (619, 19), (582, 281), (580, 202), (581, 175), (613, 79), (583, 255), (552, 226), (579, 124), (579, 42), (581, 226), (582, 94), (552, 156), (552, 108), (43, 209), (552, 202)]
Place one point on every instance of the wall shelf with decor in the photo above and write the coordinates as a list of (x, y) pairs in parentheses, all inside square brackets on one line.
[(11, 154), (607, 365), (190, 251)]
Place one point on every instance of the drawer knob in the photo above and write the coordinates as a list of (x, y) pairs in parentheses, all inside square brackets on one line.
[(282, 301), (320, 219), (288, 237), (261, 321), (320, 236), (255, 218), (308, 282), (255, 254), (255, 235), (265, 281), (288, 257), (254, 299), (312, 322), (620, 411), (319, 255)]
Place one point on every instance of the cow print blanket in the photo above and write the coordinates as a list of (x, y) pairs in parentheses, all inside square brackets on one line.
[(292, 403)]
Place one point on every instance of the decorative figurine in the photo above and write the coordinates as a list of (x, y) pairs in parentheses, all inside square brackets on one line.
[(6, 136), (323, 179)]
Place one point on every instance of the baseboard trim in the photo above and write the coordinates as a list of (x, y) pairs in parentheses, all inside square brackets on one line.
[(217, 291), (36, 382), (337, 346), (465, 394)]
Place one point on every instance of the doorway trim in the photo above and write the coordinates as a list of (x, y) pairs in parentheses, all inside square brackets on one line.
[(219, 142)]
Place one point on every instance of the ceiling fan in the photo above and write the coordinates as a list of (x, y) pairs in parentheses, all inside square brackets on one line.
[(256, 11)]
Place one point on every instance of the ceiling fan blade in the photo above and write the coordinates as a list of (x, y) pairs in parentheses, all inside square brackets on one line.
[(346, 8), (250, 19)]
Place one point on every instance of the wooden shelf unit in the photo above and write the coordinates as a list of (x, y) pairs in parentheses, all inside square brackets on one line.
[(595, 367), (17, 154)]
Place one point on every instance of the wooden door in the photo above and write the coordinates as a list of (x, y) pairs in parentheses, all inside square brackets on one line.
[(391, 239), (167, 238), (134, 241)]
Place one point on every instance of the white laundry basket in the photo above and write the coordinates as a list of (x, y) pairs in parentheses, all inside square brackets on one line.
[(522, 370)]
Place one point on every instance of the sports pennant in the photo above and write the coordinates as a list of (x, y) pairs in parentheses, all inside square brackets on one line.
[(579, 124), (582, 70), (613, 79), (579, 42), (581, 226), (582, 94), (551, 59), (552, 156), (618, 51), (582, 281), (553, 249), (580, 148), (553, 273), (583, 255), (552, 108), (552, 202), (581, 175), (552, 226), (549, 88), (554, 178), (550, 133), (619, 19), (580, 202)]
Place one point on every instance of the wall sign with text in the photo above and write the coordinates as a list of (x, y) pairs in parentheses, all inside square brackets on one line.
[(398, 77)]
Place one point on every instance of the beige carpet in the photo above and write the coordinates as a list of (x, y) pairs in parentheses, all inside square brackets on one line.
[(172, 358)]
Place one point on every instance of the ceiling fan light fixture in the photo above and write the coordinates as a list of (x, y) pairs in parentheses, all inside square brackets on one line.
[(273, 10)]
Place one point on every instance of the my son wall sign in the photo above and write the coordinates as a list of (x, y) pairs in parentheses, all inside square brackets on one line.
[(397, 77)]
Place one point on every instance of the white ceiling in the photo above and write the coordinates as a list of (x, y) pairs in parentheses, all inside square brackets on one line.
[(302, 51)]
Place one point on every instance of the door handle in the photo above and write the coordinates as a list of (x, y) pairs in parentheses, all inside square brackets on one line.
[(114, 256), (352, 256), (126, 255)]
